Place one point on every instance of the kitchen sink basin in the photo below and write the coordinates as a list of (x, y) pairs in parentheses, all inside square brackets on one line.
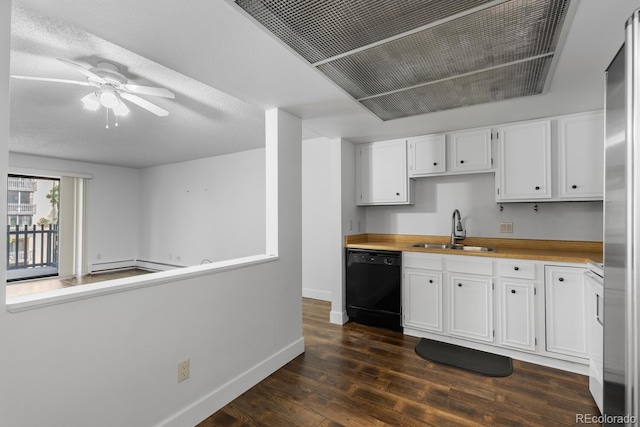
[(432, 246), (473, 248), (452, 247)]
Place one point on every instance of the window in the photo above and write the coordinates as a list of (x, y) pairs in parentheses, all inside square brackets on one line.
[(32, 227)]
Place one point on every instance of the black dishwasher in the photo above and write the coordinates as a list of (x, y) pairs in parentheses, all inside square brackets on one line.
[(373, 288)]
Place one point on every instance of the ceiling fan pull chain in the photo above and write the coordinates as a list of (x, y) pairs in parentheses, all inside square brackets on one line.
[(107, 121)]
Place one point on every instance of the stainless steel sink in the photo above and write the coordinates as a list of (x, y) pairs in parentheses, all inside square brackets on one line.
[(453, 247), (473, 248), (432, 246)]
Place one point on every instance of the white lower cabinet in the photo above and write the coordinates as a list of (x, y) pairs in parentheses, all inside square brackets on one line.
[(565, 299), (453, 298), (422, 297), (471, 307), (517, 314)]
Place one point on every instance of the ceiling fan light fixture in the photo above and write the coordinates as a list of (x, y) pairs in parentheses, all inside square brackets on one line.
[(91, 102), (108, 98), (121, 109)]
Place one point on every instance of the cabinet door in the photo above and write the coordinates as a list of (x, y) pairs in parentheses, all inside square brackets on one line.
[(471, 151), (427, 155), (580, 157), (382, 173), (565, 310), (525, 162), (471, 307), (422, 299), (517, 314)]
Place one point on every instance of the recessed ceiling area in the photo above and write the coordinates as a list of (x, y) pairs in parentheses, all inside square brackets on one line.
[(47, 117), (401, 59)]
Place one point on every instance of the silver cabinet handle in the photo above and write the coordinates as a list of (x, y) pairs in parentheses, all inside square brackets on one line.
[(598, 310)]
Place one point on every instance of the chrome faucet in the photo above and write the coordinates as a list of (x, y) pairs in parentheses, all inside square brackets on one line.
[(457, 232)]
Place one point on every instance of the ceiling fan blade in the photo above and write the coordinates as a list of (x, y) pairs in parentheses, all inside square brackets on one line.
[(82, 69), (148, 90), (144, 104), (48, 79)]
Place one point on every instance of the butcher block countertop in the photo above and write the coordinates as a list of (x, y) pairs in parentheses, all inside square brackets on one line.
[(542, 250)]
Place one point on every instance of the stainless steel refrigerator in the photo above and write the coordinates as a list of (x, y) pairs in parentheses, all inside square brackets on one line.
[(622, 231)]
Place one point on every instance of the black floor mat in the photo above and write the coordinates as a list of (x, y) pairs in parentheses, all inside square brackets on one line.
[(481, 362)]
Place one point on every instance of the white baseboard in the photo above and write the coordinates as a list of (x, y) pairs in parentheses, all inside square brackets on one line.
[(111, 265), (103, 267), (155, 266), (338, 318), (316, 294), (218, 398)]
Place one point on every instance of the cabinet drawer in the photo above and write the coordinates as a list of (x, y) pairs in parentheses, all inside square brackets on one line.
[(423, 261), (470, 265), (517, 269)]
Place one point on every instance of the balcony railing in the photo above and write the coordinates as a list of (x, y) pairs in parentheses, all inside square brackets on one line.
[(21, 209), (22, 184), (32, 246)]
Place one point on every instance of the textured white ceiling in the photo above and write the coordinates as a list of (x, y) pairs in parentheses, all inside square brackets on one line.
[(214, 42), (47, 118)]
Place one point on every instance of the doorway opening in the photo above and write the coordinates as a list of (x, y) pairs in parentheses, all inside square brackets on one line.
[(33, 205)]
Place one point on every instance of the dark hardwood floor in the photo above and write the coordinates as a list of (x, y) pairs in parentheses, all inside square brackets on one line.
[(355, 375)]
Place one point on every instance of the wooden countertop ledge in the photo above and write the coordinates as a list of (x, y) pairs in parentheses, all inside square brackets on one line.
[(543, 250)]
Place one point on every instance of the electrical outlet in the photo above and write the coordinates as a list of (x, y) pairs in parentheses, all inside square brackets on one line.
[(506, 227), (184, 370)]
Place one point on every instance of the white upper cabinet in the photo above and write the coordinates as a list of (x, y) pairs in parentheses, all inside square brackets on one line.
[(525, 162), (427, 155), (580, 156), (552, 160), (471, 151), (381, 174)]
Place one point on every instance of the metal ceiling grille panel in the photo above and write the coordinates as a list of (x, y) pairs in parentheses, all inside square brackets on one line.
[(499, 35), (321, 29), (405, 57), (522, 79)]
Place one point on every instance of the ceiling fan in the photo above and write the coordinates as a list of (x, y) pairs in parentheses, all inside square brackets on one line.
[(112, 88)]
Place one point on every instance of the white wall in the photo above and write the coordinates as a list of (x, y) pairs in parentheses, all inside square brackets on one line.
[(321, 217), (436, 198), (113, 205), (353, 222), (5, 45), (328, 214), (112, 360), (211, 208)]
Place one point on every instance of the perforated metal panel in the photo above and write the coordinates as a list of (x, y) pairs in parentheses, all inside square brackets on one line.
[(389, 54), (495, 36), (522, 79), (321, 29)]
